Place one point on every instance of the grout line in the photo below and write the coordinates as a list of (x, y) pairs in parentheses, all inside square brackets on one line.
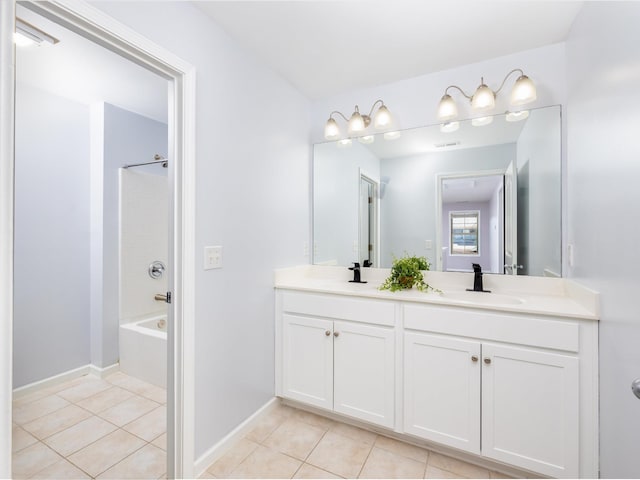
[(365, 460)]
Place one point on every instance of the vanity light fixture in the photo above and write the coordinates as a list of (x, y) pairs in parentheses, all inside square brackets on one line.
[(484, 99), (344, 143), (392, 135), (481, 121), (27, 34), (367, 139), (516, 116), (358, 123), (449, 127)]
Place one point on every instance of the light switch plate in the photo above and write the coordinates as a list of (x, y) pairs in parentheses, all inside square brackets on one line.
[(428, 244), (212, 257)]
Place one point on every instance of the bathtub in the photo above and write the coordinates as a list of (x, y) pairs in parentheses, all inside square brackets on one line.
[(143, 349)]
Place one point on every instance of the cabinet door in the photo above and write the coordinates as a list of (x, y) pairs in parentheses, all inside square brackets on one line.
[(307, 360), (530, 409), (364, 371), (442, 390)]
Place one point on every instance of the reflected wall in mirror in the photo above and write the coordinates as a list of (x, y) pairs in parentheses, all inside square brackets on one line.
[(456, 193)]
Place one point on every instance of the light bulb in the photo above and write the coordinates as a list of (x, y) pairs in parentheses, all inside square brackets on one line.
[(484, 99), (367, 139), (331, 129), (382, 118), (447, 108), (481, 121), (344, 143), (517, 116), (356, 123), (524, 91), (449, 127)]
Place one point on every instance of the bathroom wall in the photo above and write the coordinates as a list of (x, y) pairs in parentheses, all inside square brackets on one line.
[(336, 180), (144, 227), (603, 58), (463, 262), (408, 209), (252, 197), (119, 138), (51, 283)]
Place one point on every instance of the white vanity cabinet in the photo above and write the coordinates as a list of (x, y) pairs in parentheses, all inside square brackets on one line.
[(518, 404), (347, 366)]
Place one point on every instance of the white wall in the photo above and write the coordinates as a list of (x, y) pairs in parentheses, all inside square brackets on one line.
[(408, 209), (126, 138), (144, 227), (51, 283), (336, 196), (538, 149), (253, 159), (603, 55)]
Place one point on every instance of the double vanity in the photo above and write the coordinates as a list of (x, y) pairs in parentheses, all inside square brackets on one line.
[(509, 376)]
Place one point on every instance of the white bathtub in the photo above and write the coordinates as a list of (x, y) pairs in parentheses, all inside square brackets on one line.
[(143, 349)]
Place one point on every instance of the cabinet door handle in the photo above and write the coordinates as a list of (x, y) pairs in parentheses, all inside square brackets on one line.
[(336, 334), (327, 333), (487, 360), (474, 358)]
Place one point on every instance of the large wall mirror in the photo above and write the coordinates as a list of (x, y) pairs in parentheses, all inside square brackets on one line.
[(459, 193)]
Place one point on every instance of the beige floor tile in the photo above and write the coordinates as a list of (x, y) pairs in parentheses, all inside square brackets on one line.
[(312, 419), (152, 392), (309, 471), (161, 442), (457, 466), (31, 460), (493, 474), (294, 438), (128, 410), (340, 455), (435, 472), (266, 463), (352, 432), (80, 435), (30, 411), (57, 421), (282, 410), (385, 464), (106, 452), (150, 425), (61, 470), (21, 439), (84, 390), (264, 427), (234, 457), (105, 399), (138, 387), (20, 400), (402, 448), (148, 462)]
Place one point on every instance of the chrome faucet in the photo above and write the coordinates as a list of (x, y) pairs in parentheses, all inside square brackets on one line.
[(477, 279), (356, 273)]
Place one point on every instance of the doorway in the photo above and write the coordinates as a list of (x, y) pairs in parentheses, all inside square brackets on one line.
[(368, 221), (93, 25)]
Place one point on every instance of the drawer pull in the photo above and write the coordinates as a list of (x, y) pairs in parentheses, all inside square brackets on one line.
[(327, 333), (487, 361), (474, 358), (336, 334)]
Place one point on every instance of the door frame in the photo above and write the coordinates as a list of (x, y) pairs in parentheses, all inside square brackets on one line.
[(446, 176), (375, 181), (104, 30)]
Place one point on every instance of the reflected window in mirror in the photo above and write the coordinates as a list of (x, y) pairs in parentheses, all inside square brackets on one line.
[(464, 233)]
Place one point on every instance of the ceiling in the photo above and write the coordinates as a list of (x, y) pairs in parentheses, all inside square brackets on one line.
[(324, 47), (471, 189)]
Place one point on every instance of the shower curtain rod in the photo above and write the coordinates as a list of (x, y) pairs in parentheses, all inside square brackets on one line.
[(164, 160)]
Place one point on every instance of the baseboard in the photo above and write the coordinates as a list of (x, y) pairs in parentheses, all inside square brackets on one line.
[(64, 377), (105, 371), (220, 448)]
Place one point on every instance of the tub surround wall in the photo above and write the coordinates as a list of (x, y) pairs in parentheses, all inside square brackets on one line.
[(51, 284), (144, 227)]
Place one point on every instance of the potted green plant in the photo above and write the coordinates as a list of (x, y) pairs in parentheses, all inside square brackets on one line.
[(407, 272)]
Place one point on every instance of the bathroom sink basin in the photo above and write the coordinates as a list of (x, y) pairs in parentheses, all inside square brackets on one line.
[(483, 298)]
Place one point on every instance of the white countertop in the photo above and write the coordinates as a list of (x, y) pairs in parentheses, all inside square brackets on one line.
[(518, 294)]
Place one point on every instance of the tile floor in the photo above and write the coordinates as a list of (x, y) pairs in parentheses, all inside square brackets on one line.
[(292, 443), (91, 428)]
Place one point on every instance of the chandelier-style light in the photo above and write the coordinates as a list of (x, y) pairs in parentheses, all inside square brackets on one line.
[(357, 124), (484, 99)]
